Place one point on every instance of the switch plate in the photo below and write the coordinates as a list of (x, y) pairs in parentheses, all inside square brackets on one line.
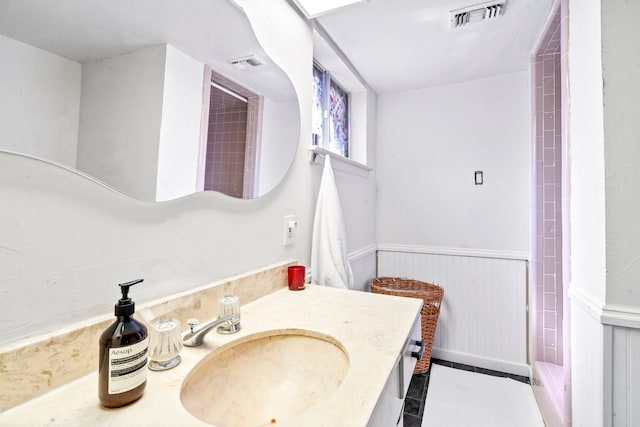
[(290, 225), (478, 177)]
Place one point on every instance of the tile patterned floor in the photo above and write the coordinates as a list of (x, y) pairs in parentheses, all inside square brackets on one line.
[(417, 393)]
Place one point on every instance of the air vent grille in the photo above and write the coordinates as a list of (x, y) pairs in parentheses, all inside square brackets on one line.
[(472, 14), (246, 62)]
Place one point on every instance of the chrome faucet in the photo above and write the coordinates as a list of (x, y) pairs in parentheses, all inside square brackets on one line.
[(197, 331)]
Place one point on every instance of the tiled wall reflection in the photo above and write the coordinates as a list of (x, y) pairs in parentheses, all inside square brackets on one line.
[(233, 139), (226, 142)]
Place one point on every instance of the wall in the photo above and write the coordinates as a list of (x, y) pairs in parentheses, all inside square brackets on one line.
[(277, 134), (483, 316), (42, 112), (40, 102), (621, 97), (605, 166), (434, 224), (587, 212), (432, 140), (120, 116), (587, 372), (66, 241), (624, 399), (621, 316), (180, 127)]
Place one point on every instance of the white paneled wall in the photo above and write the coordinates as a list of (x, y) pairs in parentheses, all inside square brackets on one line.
[(626, 376), (586, 365), (363, 265), (605, 363), (483, 320)]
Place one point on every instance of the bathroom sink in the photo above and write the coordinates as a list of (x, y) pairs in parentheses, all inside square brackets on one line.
[(264, 379)]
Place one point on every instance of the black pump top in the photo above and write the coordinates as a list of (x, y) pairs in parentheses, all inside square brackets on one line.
[(125, 306)]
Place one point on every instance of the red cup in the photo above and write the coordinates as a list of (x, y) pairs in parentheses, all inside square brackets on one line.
[(296, 277)]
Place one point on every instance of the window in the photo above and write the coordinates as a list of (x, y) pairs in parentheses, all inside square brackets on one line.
[(330, 113)]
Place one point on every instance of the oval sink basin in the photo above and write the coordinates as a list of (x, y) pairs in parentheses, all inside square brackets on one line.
[(264, 380)]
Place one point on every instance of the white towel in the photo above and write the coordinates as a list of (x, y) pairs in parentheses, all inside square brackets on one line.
[(329, 264)]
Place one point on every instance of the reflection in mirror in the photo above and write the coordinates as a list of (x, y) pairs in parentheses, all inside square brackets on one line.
[(233, 137), (123, 91)]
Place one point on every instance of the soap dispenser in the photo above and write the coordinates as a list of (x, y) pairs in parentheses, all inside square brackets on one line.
[(122, 373)]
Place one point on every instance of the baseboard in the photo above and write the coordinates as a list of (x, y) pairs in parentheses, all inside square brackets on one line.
[(482, 362)]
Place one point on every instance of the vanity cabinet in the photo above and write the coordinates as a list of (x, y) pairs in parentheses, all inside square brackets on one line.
[(390, 406)]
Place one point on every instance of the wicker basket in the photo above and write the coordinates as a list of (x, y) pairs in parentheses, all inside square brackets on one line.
[(431, 295)]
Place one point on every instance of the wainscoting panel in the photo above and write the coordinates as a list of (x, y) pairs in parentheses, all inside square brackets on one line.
[(626, 377), (587, 360), (363, 265), (483, 320)]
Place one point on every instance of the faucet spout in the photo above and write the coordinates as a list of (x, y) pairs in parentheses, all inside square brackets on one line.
[(196, 333)]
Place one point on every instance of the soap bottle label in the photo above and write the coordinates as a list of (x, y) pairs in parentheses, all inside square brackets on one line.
[(127, 367)]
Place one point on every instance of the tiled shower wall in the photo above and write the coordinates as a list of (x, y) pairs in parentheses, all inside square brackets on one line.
[(226, 142), (233, 138), (548, 281)]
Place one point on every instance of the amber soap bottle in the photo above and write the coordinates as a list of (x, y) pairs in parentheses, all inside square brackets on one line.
[(122, 369)]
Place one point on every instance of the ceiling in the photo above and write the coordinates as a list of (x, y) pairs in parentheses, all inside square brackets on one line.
[(399, 45), (395, 45)]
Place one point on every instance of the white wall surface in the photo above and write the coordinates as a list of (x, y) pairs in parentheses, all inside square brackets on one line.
[(605, 167), (587, 372), (279, 136), (65, 241), (587, 213), (621, 100), (121, 111), (590, 380), (587, 189), (359, 126), (430, 143), (180, 128), (40, 102), (621, 109)]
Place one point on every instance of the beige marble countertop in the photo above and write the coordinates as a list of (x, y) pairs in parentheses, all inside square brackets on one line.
[(372, 329)]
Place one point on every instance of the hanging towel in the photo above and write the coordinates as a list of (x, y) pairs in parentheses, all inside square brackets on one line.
[(329, 264)]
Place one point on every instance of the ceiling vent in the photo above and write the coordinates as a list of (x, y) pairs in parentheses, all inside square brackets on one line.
[(245, 62), (472, 14)]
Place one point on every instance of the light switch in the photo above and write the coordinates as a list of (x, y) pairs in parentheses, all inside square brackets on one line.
[(479, 179), (290, 224)]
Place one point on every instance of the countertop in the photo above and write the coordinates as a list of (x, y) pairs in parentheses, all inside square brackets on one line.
[(372, 329)]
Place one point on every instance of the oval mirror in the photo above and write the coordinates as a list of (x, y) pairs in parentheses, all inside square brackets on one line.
[(156, 98)]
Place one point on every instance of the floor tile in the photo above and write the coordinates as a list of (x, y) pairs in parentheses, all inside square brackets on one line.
[(416, 387), (412, 421), (419, 386), (413, 406)]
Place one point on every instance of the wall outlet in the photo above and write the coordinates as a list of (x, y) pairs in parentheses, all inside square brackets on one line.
[(290, 224)]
